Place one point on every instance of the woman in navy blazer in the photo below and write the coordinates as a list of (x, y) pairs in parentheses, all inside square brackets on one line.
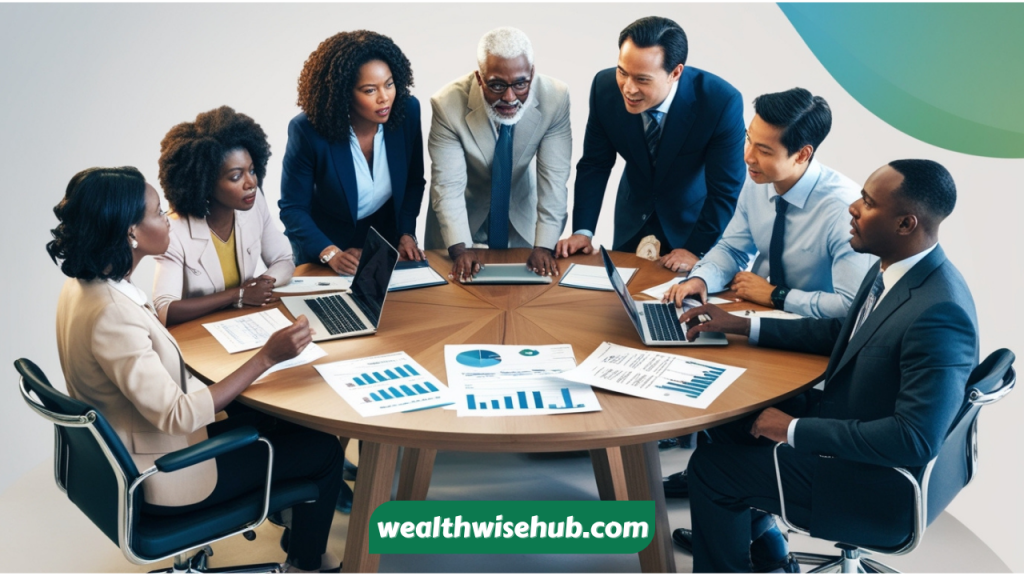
[(355, 154)]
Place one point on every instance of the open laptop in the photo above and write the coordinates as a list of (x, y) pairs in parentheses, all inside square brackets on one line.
[(657, 323), (336, 315)]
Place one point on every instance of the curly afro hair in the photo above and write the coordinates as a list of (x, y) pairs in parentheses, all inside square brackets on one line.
[(329, 77), (192, 153)]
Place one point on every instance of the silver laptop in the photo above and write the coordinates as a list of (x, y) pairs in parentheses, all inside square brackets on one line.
[(657, 323), (339, 315)]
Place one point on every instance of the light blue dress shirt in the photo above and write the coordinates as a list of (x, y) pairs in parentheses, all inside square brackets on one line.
[(374, 187), (822, 269)]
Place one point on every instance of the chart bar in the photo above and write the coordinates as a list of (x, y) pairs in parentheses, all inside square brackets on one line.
[(358, 381), (402, 372), (368, 379), (391, 375), (522, 400), (379, 377), (430, 386), (567, 397), (537, 399), (495, 405), (408, 391), (508, 402), (384, 394), (374, 396), (419, 388), (470, 400), (395, 391), (483, 405), (411, 370)]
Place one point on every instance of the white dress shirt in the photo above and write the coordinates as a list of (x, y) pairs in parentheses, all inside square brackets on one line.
[(374, 186)]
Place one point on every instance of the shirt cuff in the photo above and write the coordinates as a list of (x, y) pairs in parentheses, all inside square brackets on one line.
[(755, 330), (791, 432), (584, 232)]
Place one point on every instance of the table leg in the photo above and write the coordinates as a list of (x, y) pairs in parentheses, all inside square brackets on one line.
[(414, 479), (608, 472), (642, 466), (376, 478)]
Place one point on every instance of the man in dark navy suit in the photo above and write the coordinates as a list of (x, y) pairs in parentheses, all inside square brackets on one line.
[(896, 377), (679, 129)]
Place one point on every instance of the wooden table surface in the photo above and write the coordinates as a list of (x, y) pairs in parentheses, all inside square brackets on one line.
[(421, 321)]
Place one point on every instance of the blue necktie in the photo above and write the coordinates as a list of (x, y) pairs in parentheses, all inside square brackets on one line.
[(775, 248), (501, 188), (869, 303), (653, 133)]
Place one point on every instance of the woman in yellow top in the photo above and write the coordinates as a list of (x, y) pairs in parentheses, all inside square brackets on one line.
[(211, 170)]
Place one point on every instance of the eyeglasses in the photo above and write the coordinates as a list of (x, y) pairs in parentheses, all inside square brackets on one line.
[(518, 87)]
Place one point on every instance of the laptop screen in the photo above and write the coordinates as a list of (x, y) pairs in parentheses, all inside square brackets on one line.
[(370, 285), (620, 289)]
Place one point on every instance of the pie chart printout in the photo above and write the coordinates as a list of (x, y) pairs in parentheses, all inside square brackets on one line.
[(478, 358)]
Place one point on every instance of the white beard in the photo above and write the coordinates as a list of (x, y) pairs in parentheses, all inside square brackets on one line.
[(499, 119)]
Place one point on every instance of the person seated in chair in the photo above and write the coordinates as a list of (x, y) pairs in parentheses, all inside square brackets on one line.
[(117, 356), (898, 365)]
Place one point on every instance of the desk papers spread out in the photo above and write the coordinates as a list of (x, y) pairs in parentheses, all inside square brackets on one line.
[(492, 380), (249, 331), (404, 279), (655, 375), (310, 353), (776, 314), (385, 384), (658, 291), (309, 284), (593, 277)]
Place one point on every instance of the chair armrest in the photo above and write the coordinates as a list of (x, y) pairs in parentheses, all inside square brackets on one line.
[(207, 449)]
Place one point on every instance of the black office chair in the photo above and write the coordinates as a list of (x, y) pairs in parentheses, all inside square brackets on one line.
[(94, 469), (935, 485)]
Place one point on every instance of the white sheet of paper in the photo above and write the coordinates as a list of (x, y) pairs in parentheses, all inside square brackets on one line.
[(655, 375), (494, 380), (777, 314), (658, 291), (385, 384), (308, 284), (413, 277), (593, 277), (249, 331), (311, 353)]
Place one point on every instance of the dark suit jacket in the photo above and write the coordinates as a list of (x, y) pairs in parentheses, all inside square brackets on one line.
[(889, 398), (700, 167), (319, 196)]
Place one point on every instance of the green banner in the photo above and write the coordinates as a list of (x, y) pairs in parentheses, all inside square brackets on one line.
[(511, 527)]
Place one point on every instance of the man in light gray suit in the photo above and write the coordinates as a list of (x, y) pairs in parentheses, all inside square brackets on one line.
[(487, 128)]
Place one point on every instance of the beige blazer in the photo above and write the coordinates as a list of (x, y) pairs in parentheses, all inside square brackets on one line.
[(461, 146), (190, 267), (118, 358)]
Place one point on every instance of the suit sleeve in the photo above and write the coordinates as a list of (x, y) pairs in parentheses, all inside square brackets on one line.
[(297, 185), (169, 280), (936, 358), (414, 181), (448, 179), (554, 156), (724, 172), (275, 249), (810, 335), (593, 169)]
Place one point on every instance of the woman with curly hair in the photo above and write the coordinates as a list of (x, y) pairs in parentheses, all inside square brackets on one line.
[(211, 171), (355, 153)]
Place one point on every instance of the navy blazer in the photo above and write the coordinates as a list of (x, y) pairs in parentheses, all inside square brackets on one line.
[(699, 172), (889, 397), (319, 195)]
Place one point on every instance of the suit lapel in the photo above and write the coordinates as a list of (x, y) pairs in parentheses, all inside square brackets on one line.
[(394, 147), (341, 153), (525, 129), (681, 115), (479, 124), (633, 124), (202, 244)]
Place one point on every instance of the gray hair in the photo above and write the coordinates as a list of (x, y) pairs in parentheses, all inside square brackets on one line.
[(504, 42)]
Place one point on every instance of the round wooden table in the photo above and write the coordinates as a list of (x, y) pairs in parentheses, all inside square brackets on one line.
[(622, 437)]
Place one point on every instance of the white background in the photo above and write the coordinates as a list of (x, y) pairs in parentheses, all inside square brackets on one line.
[(86, 85)]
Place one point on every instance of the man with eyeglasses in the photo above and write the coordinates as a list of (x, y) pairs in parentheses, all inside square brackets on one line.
[(679, 129), (486, 130)]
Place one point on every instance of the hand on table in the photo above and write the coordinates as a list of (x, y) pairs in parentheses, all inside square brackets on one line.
[(715, 320), (542, 262), (346, 261), (287, 343), (465, 263), (752, 288), (772, 424), (408, 250), (573, 244), (679, 260), (691, 287), (258, 291)]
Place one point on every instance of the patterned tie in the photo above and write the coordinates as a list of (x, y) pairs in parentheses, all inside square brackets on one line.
[(775, 269), (653, 133), (501, 187), (869, 303)]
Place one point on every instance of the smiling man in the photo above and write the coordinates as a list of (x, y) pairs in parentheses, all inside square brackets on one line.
[(487, 128), (791, 215), (680, 131)]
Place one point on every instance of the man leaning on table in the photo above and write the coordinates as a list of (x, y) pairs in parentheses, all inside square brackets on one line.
[(792, 214), (894, 383), (487, 129)]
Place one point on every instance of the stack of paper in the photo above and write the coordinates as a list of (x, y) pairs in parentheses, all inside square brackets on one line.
[(593, 277), (253, 330)]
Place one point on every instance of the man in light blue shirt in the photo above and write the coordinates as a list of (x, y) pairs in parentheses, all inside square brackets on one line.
[(791, 218)]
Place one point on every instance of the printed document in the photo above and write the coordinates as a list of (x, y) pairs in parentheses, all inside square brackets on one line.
[(311, 353), (310, 284), (776, 314), (593, 277), (385, 384), (661, 289), (410, 277), (249, 331)]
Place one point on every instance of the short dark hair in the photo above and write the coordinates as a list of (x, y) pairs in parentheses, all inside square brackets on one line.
[(927, 185), (658, 31), (99, 206), (329, 76), (192, 153), (804, 118)]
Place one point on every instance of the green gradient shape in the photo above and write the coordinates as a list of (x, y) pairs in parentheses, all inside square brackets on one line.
[(951, 75)]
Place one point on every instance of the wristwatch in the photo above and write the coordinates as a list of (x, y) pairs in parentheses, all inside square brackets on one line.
[(779, 297), (327, 257)]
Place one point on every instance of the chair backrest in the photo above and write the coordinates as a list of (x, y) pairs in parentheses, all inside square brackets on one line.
[(91, 463)]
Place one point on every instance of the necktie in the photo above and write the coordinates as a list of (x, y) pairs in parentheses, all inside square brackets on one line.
[(869, 303), (501, 187), (775, 269), (653, 133)]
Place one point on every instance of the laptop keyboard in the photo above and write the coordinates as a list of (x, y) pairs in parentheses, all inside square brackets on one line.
[(663, 323), (335, 314)]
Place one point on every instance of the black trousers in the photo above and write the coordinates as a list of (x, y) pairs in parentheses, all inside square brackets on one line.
[(298, 453)]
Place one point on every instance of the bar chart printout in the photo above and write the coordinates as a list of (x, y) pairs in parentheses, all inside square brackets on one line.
[(515, 380), (655, 375), (385, 384)]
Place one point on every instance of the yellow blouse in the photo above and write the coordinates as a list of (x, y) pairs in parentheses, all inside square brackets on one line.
[(228, 260)]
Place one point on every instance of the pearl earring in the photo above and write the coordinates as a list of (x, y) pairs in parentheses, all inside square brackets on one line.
[(135, 243)]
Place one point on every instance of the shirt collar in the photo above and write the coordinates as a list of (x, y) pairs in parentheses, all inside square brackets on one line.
[(667, 103), (798, 194), (897, 270), (352, 132), (130, 290)]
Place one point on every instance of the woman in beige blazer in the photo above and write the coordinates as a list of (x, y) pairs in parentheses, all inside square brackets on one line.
[(211, 170), (118, 357)]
